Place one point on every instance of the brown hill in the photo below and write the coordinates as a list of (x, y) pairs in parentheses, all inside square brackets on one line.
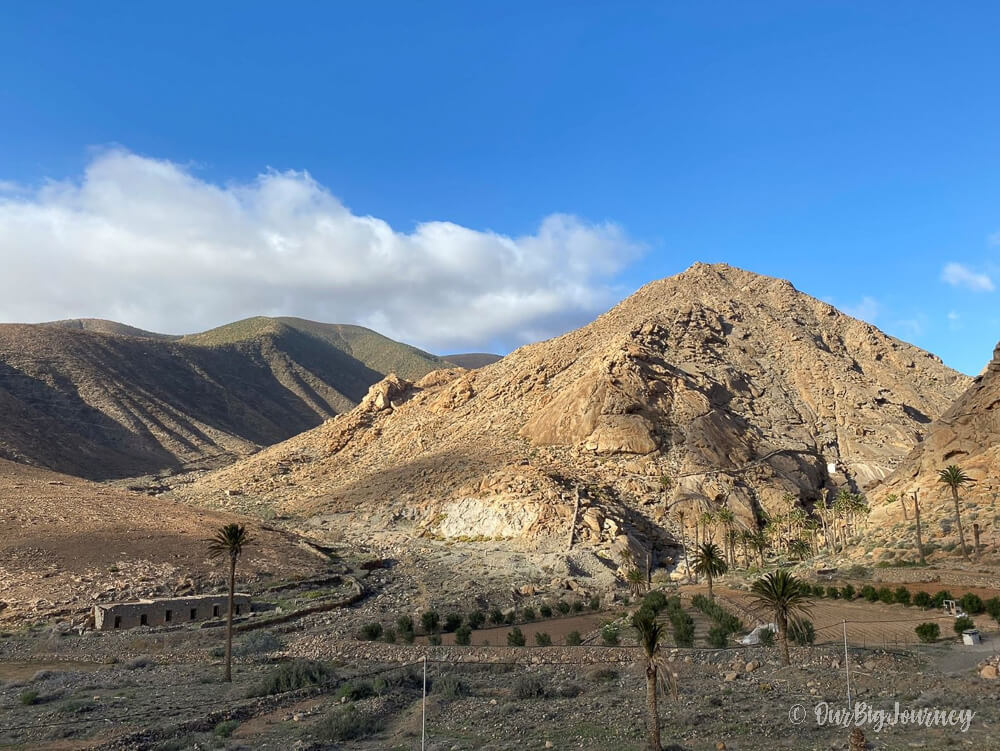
[(472, 360), (68, 542), (99, 401), (967, 434), (716, 386)]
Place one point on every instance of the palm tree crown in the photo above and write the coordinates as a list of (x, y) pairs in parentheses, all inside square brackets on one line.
[(783, 594), (955, 478), (710, 562), (229, 541)]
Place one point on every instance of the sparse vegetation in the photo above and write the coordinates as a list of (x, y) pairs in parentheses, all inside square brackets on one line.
[(928, 632), (515, 637), (290, 676)]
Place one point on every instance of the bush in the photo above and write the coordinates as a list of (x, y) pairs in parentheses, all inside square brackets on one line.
[(722, 617), (928, 632), (901, 596), (258, 643), (573, 639), (923, 599), (496, 616), (389, 635), (430, 621), (718, 636), (595, 603), (562, 606), (542, 639), (225, 728), (802, 632), (529, 687), (290, 676), (577, 606), (143, 661), (371, 631), (28, 698), (510, 617), (463, 636), (609, 634), (993, 608), (833, 592), (546, 610), (869, 593), (818, 590), (346, 723), (356, 690), (434, 640), (885, 595), (528, 613), (940, 597), (655, 601), (972, 604), (476, 619), (452, 621), (407, 636), (963, 624), (602, 675), (404, 623), (848, 592), (449, 686), (767, 637), (515, 637)]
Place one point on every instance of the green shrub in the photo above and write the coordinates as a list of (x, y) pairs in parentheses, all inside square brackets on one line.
[(992, 606), (257, 643), (542, 639), (848, 592), (528, 614), (595, 602), (404, 623), (389, 635), (346, 723), (356, 690), (290, 676), (452, 621), (901, 596), (510, 617), (869, 593), (818, 590), (463, 636), (609, 634), (28, 698), (972, 604), (529, 687), (802, 632), (963, 624), (923, 599), (719, 615), (576, 606), (573, 639), (476, 619), (885, 595), (718, 637), (407, 636), (449, 686), (225, 728), (655, 601), (515, 637), (496, 616), (940, 596), (434, 640), (546, 610), (562, 606), (833, 592), (430, 621), (928, 632), (371, 631), (767, 637)]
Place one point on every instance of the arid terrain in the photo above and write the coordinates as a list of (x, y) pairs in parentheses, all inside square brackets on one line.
[(503, 523)]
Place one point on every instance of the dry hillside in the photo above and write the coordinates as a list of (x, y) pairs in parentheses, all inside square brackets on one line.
[(716, 386), (67, 542), (102, 400)]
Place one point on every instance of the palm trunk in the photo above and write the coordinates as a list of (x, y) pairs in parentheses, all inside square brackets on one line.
[(958, 520), (920, 542), (786, 658), (229, 619), (710, 595), (653, 718)]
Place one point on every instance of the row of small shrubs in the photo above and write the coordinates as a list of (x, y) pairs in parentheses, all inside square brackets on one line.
[(931, 632), (462, 626), (717, 613), (681, 623), (971, 603)]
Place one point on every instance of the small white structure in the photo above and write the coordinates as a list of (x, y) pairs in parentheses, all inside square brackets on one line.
[(831, 468), (754, 636), (952, 608), (971, 637)]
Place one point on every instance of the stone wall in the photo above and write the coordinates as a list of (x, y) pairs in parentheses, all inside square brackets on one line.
[(166, 612)]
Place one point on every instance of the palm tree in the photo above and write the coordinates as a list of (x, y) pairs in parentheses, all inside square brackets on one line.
[(684, 552), (728, 520), (710, 561), (229, 541), (799, 548), (955, 478), (707, 520), (785, 596), (761, 544), (636, 580), (659, 677)]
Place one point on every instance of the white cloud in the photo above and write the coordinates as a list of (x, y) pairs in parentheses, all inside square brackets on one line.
[(147, 242), (867, 309), (958, 275)]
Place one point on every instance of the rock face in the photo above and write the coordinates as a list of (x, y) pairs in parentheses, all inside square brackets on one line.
[(967, 434), (714, 387), (103, 400)]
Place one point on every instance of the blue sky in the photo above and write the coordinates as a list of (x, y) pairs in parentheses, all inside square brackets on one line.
[(500, 171)]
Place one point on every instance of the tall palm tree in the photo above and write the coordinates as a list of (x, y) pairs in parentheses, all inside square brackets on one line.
[(707, 520), (784, 595), (659, 677), (799, 548), (229, 541), (710, 561), (727, 519), (684, 551), (760, 543), (955, 478)]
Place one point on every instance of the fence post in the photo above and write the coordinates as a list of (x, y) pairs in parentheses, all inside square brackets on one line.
[(423, 711), (847, 667)]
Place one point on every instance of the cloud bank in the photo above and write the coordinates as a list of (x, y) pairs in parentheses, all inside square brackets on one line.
[(148, 243)]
